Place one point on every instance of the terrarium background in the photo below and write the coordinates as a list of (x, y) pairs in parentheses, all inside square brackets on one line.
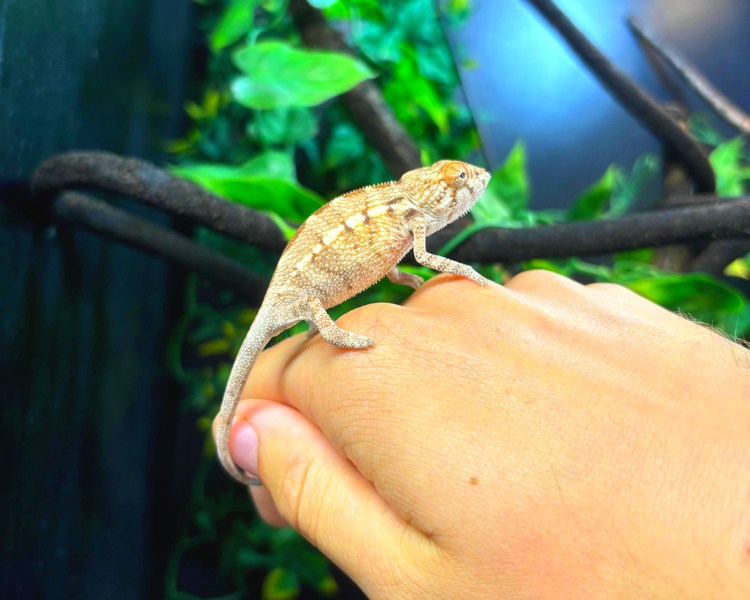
[(98, 455)]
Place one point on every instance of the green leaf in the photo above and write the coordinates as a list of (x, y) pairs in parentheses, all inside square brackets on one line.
[(436, 64), (286, 125), (420, 92), (737, 324), (639, 255), (726, 161), (276, 74), (380, 42), (697, 294), (739, 268), (280, 584), (346, 142), (273, 164), (628, 189), (360, 10), (560, 266), (593, 202), (703, 131), (235, 22), (508, 191), (273, 6), (265, 183)]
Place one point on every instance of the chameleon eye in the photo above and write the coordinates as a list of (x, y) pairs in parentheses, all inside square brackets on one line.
[(462, 175)]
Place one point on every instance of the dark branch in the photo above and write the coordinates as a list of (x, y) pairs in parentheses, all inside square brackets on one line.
[(722, 105), (718, 220), (80, 209), (153, 186), (365, 103), (728, 219), (638, 103)]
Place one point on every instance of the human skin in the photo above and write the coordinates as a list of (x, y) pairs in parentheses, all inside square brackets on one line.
[(541, 439)]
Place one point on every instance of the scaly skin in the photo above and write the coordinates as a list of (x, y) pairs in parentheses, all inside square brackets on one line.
[(344, 247)]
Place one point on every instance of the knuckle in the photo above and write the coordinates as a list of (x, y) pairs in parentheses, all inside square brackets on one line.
[(534, 279), (609, 288), (369, 319)]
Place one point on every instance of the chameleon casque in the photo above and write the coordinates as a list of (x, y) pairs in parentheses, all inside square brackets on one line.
[(344, 247)]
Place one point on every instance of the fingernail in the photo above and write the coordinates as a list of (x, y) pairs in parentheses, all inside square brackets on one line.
[(245, 448)]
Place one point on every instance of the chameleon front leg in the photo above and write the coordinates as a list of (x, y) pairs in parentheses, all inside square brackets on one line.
[(401, 278), (332, 333), (435, 262)]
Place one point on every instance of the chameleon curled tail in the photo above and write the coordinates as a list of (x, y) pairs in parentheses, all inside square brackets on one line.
[(256, 340), (272, 319)]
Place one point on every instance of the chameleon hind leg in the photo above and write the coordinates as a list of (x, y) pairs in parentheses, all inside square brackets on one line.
[(321, 321), (397, 276)]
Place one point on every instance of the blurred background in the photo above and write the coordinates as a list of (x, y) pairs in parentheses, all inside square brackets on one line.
[(113, 360)]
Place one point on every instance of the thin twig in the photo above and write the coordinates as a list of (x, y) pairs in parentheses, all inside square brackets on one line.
[(723, 106), (151, 185), (637, 102)]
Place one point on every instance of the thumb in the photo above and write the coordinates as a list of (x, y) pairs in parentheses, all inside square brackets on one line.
[(324, 497)]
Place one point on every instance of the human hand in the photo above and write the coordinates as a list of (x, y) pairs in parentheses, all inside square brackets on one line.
[(542, 439)]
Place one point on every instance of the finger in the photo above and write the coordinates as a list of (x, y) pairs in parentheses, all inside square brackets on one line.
[(320, 493), (365, 402), (244, 443), (266, 507)]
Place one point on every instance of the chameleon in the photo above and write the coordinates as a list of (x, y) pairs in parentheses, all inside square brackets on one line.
[(344, 247)]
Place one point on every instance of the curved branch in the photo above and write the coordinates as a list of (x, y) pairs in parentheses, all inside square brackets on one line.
[(151, 185), (719, 220), (365, 103), (713, 219), (76, 208), (637, 102)]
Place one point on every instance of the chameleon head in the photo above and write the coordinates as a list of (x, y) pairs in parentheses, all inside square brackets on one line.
[(446, 190)]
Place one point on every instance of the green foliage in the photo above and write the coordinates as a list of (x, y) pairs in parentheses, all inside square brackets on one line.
[(235, 22), (283, 126), (615, 191), (732, 172), (266, 182), (730, 159), (508, 192), (278, 75)]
